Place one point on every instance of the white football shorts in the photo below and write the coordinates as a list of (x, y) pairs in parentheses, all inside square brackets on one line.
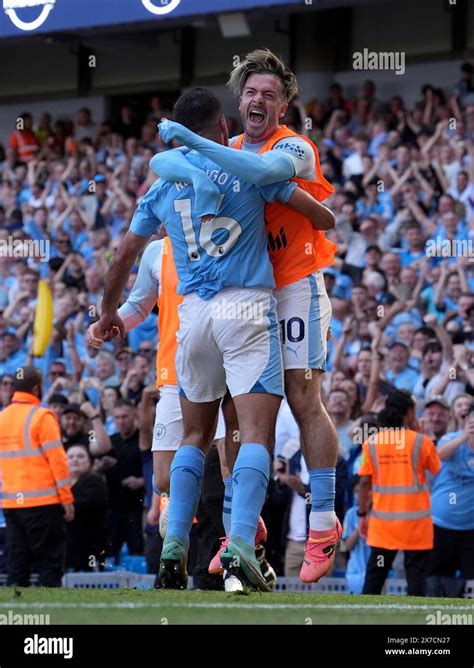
[(229, 341), (168, 429), (304, 315)]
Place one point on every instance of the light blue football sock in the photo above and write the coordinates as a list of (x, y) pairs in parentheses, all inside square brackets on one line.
[(227, 505), (186, 473), (249, 486), (323, 494)]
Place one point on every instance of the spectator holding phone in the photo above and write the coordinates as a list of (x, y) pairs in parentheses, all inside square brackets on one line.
[(355, 544), (398, 371), (339, 408), (452, 499)]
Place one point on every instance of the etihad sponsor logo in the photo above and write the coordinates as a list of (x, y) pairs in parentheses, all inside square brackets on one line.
[(160, 7), (278, 241), (12, 6)]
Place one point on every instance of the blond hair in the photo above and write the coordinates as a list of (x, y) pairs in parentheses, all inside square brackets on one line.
[(263, 61)]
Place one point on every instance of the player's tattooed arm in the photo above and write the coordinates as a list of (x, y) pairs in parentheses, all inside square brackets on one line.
[(260, 169), (173, 166), (319, 215)]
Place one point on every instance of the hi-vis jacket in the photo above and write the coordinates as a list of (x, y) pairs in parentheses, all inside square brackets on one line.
[(304, 249), (33, 463), (168, 320), (26, 144), (401, 510)]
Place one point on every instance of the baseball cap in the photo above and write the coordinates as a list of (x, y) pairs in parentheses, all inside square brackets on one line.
[(58, 399), (74, 408), (437, 399), (9, 332)]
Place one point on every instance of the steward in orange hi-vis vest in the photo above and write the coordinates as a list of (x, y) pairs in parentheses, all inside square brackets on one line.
[(33, 463), (36, 491), (26, 143), (401, 511), (296, 249), (168, 320)]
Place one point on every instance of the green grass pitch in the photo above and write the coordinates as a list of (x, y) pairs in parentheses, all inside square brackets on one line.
[(130, 606)]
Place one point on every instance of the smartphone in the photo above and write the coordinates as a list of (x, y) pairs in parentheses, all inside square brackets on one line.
[(93, 395)]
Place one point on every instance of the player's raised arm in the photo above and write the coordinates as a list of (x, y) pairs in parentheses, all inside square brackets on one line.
[(320, 216), (261, 169), (173, 166)]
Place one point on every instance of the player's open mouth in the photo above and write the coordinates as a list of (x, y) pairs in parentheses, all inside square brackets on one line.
[(256, 117)]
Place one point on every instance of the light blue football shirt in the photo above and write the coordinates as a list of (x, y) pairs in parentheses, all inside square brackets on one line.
[(452, 494), (229, 251)]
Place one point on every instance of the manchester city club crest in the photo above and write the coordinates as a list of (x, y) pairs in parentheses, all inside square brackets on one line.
[(160, 430)]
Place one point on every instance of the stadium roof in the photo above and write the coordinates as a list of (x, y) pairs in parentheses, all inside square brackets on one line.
[(30, 17)]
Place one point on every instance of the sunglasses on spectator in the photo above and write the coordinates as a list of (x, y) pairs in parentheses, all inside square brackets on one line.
[(57, 373)]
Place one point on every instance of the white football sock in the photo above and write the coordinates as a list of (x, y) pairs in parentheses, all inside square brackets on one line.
[(322, 521)]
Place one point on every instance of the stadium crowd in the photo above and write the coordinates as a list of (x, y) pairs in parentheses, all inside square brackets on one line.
[(402, 293)]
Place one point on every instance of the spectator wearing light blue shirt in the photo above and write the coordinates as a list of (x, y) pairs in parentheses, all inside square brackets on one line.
[(448, 291), (400, 373), (452, 501), (413, 242), (411, 316), (340, 287), (76, 229), (339, 409), (356, 545), (376, 202), (15, 356)]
